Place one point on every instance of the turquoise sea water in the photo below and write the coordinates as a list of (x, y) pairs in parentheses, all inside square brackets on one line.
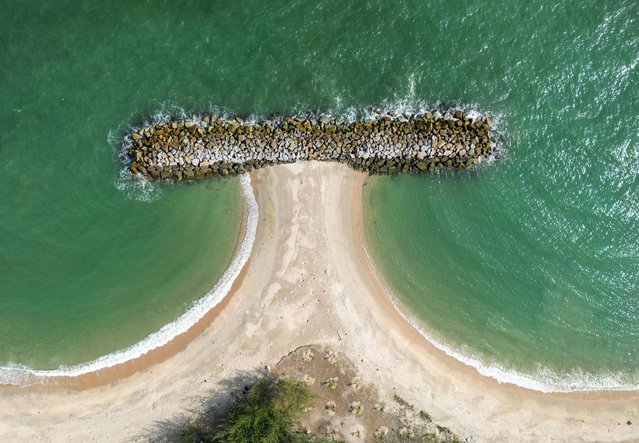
[(529, 263), (91, 262)]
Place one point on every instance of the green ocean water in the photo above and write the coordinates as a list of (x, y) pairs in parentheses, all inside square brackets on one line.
[(91, 262), (528, 263), (528, 268)]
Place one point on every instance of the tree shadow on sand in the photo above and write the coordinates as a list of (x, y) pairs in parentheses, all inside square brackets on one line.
[(208, 412)]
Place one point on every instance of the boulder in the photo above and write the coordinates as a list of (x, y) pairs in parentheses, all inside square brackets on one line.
[(205, 145), (422, 166)]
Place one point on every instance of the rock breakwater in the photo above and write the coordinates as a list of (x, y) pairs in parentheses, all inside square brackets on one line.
[(388, 143)]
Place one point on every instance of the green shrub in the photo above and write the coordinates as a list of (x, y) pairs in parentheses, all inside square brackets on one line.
[(425, 416), (268, 414), (403, 403), (194, 433)]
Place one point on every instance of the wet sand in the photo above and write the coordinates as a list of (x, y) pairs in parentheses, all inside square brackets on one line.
[(308, 281)]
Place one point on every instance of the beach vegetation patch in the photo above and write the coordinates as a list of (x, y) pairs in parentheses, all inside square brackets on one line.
[(402, 403), (282, 404), (266, 412)]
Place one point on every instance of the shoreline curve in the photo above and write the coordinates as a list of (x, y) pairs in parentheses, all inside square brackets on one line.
[(559, 383), (308, 282), (549, 382), (24, 376)]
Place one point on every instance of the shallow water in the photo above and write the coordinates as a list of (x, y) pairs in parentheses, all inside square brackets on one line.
[(91, 261), (529, 268), (529, 263)]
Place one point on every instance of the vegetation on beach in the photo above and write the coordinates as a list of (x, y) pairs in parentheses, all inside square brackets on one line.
[(268, 412), (288, 403)]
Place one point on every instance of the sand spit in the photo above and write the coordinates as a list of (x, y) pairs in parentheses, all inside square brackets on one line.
[(308, 282)]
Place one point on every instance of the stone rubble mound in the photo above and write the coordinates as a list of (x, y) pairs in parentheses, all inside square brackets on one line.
[(388, 143)]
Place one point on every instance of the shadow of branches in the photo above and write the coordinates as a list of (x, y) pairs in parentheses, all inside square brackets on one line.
[(208, 412)]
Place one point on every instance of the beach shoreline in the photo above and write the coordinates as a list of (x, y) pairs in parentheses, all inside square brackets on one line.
[(162, 343), (309, 280)]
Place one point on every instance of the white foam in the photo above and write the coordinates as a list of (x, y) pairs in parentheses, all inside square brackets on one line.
[(136, 187), (542, 379), (24, 376)]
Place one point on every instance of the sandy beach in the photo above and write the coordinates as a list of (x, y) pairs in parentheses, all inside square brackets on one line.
[(308, 281)]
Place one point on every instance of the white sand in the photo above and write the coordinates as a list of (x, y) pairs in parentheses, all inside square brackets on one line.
[(308, 281)]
